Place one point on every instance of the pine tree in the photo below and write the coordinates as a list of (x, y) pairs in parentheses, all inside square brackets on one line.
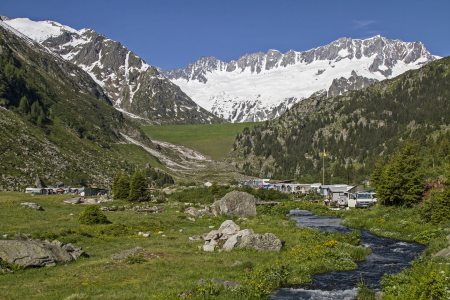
[(214, 189), (137, 187), (122, 187), (24, 106), (400, 182)]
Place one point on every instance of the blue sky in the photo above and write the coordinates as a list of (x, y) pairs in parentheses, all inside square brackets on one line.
[(172, 33)]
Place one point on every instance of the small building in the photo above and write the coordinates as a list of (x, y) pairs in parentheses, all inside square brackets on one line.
[(37, 191)]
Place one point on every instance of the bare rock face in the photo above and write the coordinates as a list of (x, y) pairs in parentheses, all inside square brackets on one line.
[(39, 183), (34, 253), (261, 242), (238, 204)]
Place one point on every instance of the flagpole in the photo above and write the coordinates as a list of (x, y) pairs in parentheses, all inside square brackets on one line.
[(323, 167)]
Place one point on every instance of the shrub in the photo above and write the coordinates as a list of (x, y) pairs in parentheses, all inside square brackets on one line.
[(364, 293), (92, 215)]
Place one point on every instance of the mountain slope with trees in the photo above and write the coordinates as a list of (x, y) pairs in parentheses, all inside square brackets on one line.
[(353, 129), (56, 122)]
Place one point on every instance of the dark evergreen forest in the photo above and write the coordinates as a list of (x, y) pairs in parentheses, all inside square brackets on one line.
[(354, 129)]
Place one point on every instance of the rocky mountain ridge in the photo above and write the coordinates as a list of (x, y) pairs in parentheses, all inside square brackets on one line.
[(133, 86), (256, 85)]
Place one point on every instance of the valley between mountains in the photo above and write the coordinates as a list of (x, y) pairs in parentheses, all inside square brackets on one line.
[(128, 181)]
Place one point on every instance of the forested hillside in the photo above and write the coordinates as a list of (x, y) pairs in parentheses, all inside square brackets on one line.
[(56, 122), (354, 129)]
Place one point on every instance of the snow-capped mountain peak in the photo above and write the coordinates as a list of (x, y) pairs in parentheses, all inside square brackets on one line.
[(131, 84), (262, 86)]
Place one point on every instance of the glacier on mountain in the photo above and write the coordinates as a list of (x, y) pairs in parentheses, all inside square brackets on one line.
[(262, 86)]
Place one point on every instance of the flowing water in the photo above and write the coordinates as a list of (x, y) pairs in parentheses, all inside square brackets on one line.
[(388, 256)]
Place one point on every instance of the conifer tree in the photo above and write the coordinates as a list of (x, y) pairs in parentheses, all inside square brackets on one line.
[(400, 182), (137, 187), (24, 106), (122, 186), (214, 189)]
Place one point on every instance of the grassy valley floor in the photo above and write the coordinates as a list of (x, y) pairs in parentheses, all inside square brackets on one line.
[(171, 263), (213, 140)]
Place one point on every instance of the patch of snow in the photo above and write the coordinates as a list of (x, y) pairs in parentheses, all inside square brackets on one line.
[(39, 30), (128, 114)]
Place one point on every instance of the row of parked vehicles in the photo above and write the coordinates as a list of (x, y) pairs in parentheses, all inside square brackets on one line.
[(357, 200)]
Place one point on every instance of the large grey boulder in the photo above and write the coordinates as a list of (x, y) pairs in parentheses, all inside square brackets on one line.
[(261, 242), (236, 239), (33, 253), (126, 253), (238, 204)]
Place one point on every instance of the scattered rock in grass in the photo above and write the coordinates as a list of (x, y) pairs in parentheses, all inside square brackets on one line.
[(238, 204), (227, 284), (229, 228), (5, 236), (190, 219), (126, 253), (104, 199), (149, 209), (261, 242), (104, 208), (192, 211), (75, 200), (201, 281), (443, 253), (36, 253), (32, 205), (236, 238), (237, 263), (187, 293), (210, 227), (209, 248), (195, 238)]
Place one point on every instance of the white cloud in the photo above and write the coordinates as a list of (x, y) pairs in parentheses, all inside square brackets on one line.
[(363, 23)]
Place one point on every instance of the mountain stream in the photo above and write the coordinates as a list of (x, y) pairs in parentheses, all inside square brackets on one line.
[(388, 256)]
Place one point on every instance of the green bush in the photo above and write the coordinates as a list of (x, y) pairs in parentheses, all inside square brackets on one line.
[(92, 215), (364, 293)]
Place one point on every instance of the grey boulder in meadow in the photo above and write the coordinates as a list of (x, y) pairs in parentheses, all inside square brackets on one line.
[(32, 205), (35, 253), (261, 242), (238, 204)]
